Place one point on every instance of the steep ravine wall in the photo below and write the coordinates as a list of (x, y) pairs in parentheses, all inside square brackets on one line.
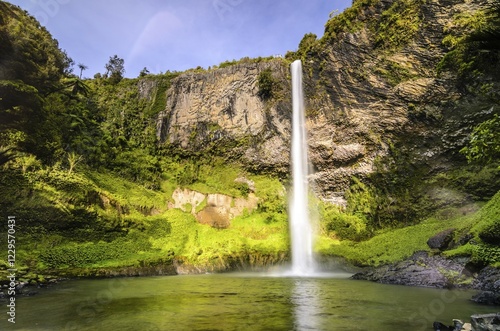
[(362, 99)]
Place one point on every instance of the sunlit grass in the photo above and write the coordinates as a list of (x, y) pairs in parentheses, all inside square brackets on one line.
[(394, 245)]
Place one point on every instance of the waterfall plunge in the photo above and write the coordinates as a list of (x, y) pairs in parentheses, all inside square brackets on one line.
[(303, 263)]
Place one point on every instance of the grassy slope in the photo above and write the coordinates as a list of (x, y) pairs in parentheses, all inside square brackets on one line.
[(396, 245), (124, 224)]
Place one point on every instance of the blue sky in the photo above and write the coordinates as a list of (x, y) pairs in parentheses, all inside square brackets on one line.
[(178, 34)]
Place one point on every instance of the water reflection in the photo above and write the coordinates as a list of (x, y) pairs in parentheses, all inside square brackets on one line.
[(239, 302), (306, 298)]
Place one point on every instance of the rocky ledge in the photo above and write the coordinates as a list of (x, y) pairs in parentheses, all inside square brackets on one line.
[(422, 269), (479, 322)]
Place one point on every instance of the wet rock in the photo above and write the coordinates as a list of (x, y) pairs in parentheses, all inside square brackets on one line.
[(458, 325), (441, 240), (486, 322), (487, 298), (461, 326), (488, 282), (419, 270), (438, 326)]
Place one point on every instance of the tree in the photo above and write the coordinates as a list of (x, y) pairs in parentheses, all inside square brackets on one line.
[(115, 68), (82, 68), (144, 72)]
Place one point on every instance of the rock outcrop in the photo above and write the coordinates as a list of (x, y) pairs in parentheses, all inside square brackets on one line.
[(223, 105), (216, 210), (441, 240)]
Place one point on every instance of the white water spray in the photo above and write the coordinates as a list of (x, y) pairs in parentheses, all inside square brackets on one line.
[(300, 226)]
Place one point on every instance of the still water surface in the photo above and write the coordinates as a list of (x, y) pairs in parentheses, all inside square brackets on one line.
[(238, 302)]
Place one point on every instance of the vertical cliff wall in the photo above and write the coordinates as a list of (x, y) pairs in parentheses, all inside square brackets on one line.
[(372, 87), (221, 110)]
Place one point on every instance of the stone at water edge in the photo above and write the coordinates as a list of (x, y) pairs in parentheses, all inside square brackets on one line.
[(486, 322), (487, 298), (458, 325), (438, 326), (467, 327), (461, 326)]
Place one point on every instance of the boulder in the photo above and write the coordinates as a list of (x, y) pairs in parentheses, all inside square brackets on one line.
[(486, 322), (219, 210), (441, 240)]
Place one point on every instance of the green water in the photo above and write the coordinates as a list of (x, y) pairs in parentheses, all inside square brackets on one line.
[(238, 302)]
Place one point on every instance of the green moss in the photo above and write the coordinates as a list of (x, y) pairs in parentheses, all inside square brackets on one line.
[(488, 227), (455, 278), (160, 97), (392, 245), (399, 24), (472, 41), (394, 72), (395, 245)]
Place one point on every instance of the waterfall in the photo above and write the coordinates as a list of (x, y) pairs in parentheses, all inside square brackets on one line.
[(300, 226)]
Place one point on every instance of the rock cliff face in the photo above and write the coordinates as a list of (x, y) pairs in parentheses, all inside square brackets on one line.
[(221, 106), (216, 210), (362, 99)]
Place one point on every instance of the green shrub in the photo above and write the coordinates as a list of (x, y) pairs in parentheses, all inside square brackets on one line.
[(394, 72), (484, 144), (187, 175), (485, 254), (488, 227), (266, 83), (86, 254), (347, 20), (344, 226), (243, 188)]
